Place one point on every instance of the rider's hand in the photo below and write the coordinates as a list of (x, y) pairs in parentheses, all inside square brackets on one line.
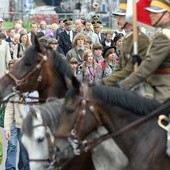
[(7, 134), (136, 59)]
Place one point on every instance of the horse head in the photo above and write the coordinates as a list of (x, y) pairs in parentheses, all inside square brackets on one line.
[(80, 116), (34, 139), (39, 69), (38, 129)]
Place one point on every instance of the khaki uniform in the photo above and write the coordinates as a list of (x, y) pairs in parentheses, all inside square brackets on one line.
[(156, 67), (125, 66)]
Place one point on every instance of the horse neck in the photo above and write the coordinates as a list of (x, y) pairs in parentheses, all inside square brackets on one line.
[(114, 118), (56, 87), (136, 137)]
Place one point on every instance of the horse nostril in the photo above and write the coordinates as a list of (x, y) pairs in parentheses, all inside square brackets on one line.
[(40, 139), (57, 149)]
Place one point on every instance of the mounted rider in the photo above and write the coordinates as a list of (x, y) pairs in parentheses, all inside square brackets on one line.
[(125, 66), (156, 67)]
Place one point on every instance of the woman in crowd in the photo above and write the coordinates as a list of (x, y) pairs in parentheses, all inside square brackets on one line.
[(23, 44), (110, 61), (91, 70), (118, 42), (43, 28)]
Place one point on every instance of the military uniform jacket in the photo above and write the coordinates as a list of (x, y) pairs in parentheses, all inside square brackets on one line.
[(64, 42), (158, 57), (125, 66)]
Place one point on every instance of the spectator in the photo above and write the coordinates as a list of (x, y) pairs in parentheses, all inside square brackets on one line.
[(53, 43), (12, 127), (43, 28), (78, 48), (89, 32), (53, 29), (33, 31), (97, 27), (1, 24), (61, 27), (108, 40), (10, 40), (91, 71), (66, 37), (88, 42), (78, 25), (21, 46), (118, 42), (97, 49), (5, 55), (44, 40), (77, 70), (110, 61)]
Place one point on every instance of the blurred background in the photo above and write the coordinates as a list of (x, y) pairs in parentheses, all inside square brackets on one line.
[(52, 10)]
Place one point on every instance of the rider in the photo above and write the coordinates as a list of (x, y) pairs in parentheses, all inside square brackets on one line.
[(156, 67), (125, 66)]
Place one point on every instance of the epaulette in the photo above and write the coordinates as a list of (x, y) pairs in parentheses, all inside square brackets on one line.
[(166, 32)]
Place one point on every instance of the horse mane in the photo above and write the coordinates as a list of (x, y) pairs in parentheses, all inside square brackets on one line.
[(50, 113), (62, 65), (27, 127), (124, 99)]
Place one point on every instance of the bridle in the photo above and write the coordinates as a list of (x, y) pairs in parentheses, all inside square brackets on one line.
[(50, 143), (24, 79), (78, 145)]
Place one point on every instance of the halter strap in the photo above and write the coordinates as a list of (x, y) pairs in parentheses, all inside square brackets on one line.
[(23, 80)]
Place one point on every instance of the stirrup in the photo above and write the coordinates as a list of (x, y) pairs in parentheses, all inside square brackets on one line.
[(165, 119)]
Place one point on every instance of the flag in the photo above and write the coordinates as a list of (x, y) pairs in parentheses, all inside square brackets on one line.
[(143, 15)]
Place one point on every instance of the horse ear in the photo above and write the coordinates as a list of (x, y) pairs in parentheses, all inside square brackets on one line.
[(36, 42), (76, 84), (72, 83)]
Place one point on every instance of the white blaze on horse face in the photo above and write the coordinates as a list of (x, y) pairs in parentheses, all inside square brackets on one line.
[(37, 145)]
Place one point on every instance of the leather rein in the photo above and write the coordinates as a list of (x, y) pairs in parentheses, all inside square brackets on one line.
[(80, 146)]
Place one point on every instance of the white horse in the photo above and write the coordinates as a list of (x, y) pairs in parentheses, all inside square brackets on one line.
[(38, 133)]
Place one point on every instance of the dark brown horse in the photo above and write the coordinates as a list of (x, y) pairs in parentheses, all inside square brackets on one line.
[(43, 70), (86, 108), (39, 69)]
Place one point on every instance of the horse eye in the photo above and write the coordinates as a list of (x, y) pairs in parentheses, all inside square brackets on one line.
[(27, 64), (40, 139), (70, 111)]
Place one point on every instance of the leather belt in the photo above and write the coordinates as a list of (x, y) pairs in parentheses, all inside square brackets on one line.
[(163, 71)]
